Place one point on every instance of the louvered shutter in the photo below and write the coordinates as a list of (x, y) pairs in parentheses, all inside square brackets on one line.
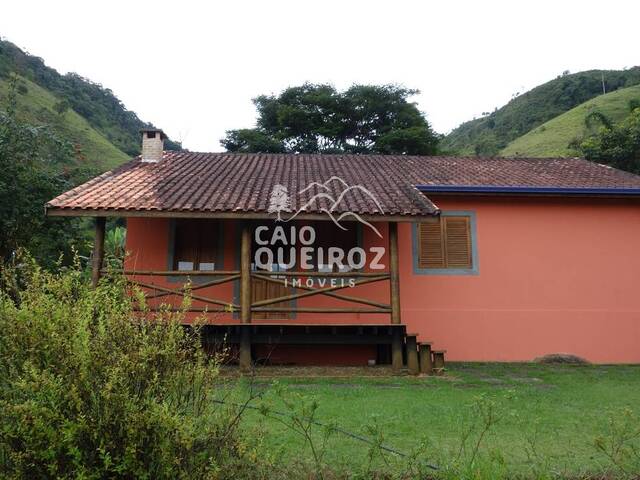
[(445, 243), (457, 242), (431, 245)]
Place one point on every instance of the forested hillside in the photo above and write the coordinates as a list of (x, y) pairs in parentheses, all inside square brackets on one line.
[(56, 131), (491, 133), (38, 106), (101, 109), (559, 136)]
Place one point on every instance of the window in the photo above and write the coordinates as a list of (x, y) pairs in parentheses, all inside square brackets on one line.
[(446, 246), (280, 256), (196, 245), (330, 235)]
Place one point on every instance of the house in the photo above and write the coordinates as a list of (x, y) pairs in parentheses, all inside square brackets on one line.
[(343, 258)]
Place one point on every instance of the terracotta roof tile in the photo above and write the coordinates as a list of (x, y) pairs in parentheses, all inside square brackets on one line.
[(224, 182)]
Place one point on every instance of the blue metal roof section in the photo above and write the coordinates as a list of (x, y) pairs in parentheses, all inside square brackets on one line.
[(523, 190)]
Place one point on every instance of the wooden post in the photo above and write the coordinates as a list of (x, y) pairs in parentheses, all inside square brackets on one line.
[(245, 274), (245, 348), (396, 350), (245, 296), (438, 361), (412, 355), (394, 274), (98, 251), (394, 280), (426, 364)]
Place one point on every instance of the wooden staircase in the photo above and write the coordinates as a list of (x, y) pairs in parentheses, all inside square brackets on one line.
[(421, 359)]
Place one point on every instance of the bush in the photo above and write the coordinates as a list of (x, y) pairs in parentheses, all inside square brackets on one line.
[(617, 145), (88, 389)]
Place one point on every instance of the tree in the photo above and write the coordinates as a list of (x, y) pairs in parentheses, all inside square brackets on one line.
[(316, 118), (35, 166), (249, 140), (617, 145), (487, 146), (597, 117)]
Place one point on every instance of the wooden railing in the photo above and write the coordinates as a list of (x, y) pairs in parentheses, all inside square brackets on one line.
[(262, 305), (155, 291)]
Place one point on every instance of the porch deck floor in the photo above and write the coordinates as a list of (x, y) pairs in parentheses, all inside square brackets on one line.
[(305, 333)]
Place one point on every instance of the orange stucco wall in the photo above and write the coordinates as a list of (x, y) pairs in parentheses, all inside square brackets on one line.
[(554, 276)]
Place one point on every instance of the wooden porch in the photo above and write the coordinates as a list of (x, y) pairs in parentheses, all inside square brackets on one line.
[(246, 330)]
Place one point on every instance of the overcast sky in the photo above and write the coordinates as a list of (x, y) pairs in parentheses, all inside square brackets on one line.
[(192, 68)]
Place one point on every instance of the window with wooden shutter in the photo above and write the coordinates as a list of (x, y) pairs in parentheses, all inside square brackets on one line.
[(196, 245), (445, 244)]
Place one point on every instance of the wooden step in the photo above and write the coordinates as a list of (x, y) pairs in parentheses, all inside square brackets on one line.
[(438, 361), (413, 365), (426, 361)]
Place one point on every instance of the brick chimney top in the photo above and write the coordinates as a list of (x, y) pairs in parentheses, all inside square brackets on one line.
[(152, 144)]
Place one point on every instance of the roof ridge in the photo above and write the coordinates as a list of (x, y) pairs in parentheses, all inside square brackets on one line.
[(370, 155)]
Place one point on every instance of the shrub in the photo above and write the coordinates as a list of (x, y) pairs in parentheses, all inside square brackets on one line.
[(89, 389)]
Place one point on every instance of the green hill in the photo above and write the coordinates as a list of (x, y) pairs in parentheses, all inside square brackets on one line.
[(552, 138), (492, 133), (95, 120), (37, 106)]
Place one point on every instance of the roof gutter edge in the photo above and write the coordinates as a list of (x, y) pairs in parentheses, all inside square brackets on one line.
[(557, 191), (57, 211)]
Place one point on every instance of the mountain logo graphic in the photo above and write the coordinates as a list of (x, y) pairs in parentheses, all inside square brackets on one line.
[(279, 202)]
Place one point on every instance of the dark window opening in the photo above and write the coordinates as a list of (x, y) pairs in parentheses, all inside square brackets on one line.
[(328, 235), (196, 245)]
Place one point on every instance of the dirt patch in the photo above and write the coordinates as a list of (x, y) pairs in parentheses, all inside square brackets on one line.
[(354, 386)]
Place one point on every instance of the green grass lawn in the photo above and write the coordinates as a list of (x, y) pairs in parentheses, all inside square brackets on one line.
[(551, 139), (547, 417)]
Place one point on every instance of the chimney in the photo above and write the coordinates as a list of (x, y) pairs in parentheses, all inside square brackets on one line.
[(152, 144)]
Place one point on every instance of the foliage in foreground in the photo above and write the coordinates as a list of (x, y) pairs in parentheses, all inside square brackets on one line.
[(88, 390), (325, 449), (478, 430)]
